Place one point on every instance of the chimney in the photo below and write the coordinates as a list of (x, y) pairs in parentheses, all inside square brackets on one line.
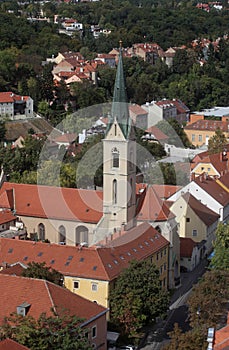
[(193, 176)]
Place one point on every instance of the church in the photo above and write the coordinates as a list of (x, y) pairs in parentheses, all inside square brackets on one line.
[(76, 217)]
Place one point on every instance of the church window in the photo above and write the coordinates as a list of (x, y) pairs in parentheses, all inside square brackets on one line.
[(41, 232), (115, 158), (115, 191)]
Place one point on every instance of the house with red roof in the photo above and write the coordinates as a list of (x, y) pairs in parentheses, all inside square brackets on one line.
[(155, 211), (166, 109), (189, 254), (215, 165), (15, 106), (91, 271), (209, 192), (195, 221), (153, 134), (66, 139), (149, 52), (32, 297), (200, 131), (139, 116)]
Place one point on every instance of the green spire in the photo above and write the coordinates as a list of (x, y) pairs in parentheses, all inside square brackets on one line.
[(120, 109)]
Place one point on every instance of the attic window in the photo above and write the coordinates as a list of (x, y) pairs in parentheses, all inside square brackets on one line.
[(10, 250), (40, 254), (81, 259), (122, 257), (23, 309), (87, 210), (109, 265), (28, 204), (67, 263), (140, 246), (70, 257), (151, 239), (128, 253), (135, 250), (146, 243), (116, 262), (25, 258), (94, 268), (52, 261)]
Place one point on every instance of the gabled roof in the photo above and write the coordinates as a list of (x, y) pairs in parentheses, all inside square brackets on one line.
[(42, 297), (53, 202), (100, 263), (10, 97), (216, 160), (209, 125), (6, 216), (205, 214), (159, 135), (153, 208), (14, 269), (9, 344), (136, 109), (165, 191), (68, 137), (186, 247), (211, 186)]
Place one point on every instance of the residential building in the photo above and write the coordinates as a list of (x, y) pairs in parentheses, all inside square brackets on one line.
[(220, 339), (202, 130), (215, 165), (65, 140), (15, 106), (166, 109), (195, 220), (215, 113), (155, 211), (209, 192), (191, 254), (149, 52), (153, 134), (90, 272), (108, 59), (32, 297), (139, 116)]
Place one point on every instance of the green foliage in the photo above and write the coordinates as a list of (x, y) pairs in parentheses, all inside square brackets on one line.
[(41, 271), (137, 297), (220, 260), (207, 303), (217, 142), (58, 332)]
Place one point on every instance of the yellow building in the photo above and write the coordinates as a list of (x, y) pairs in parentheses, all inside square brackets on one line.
[(91, 271), (202, 130)]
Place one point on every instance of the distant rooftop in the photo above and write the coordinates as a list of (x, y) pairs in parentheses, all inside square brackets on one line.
[(216, 111)]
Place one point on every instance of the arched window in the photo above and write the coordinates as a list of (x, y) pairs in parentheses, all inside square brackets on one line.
[(62, 234), (81, 234), (41, 232), (115, 191), (115, 158)]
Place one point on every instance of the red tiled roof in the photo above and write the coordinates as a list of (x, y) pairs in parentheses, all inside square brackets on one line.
[(153, 208), (210, 125), (221, 341), (6, 216), (93, 262), (54, 202), (159, 135), (136, 109), (15, 269), (186, 247), (165, 191), (68, 137), (10, 97), (9, 344), (43, 296), (215, 160), (207, 215), (210, 186)]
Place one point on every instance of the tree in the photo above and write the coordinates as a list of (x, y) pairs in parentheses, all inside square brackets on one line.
[(217, 142), (137, 297), (58, 332), (41, 271), (207, 303), (220, 260)]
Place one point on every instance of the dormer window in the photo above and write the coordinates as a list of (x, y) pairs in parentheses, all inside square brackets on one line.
[(115, 158)]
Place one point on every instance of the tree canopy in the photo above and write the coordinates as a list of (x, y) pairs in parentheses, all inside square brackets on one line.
[(41, 271), (57, 332), (220, 259), (217, 142), (137, 297)]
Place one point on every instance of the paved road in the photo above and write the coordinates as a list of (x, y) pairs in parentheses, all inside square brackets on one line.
[(157, 336)]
